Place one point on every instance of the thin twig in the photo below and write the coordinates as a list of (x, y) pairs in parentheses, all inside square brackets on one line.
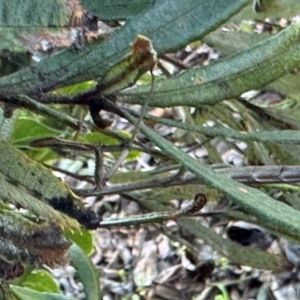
[(98, 167), (27, 102), (54, 142), (174, 61), (199, 202), (74, 175), (247, 175), (126, 151)]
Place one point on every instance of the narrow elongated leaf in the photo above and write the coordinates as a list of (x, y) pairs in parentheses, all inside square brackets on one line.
[(20, 196), (236, 253), (7, 293), (86, 272), (272, 214), (288, 85), (116, 9), (30, 185), (28, 294), (287, 112), (275, 136), (226, 78), (42, 281), (169, 24), (229, 43)]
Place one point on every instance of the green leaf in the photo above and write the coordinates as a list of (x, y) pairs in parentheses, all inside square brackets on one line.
[(28, 294), (33, 12), (41, 281), (288, 85), (30, 127), (231, 42), (227, 78), (272, 136), (274, 215), (12, 62), (98, 138), (25, 241), (236, 253), (86, 272), (269, 9), (166, 34), (7, 293), (228, 42), (30, 185), (83, 239), (29, 17), (116, 9), (78, 88), (178, 29)]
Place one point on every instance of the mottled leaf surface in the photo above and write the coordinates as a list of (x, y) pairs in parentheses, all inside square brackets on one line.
[(227, 78), (170, 25), (28, 184), (117, 9)]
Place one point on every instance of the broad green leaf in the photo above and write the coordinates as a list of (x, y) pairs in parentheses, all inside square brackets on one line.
[(267, 212), (45, 155), (83, 238), (226, 78), (98, 138), (116, 9), (86, 272), (41, 281), (166, 34), (105, 138), (28, 294), (76, 88), (29, 128)]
